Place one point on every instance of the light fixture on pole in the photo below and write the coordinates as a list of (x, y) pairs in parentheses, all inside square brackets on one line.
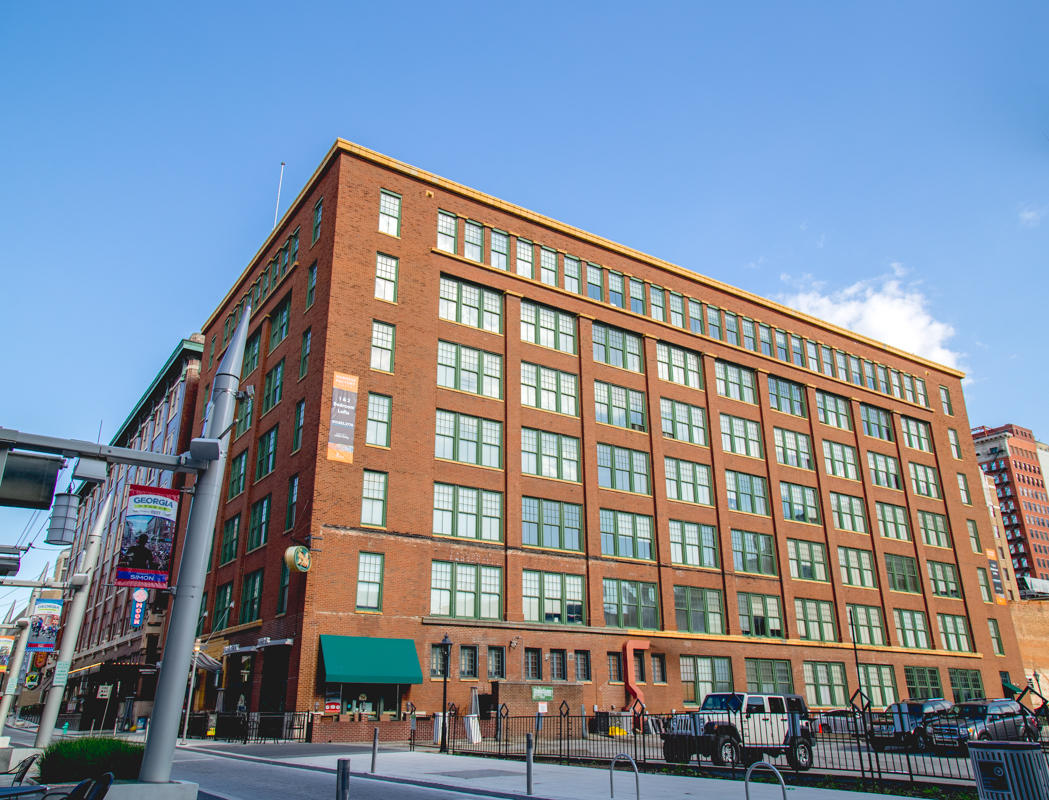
[(446, 643)]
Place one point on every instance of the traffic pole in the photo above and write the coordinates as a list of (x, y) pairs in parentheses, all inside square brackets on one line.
[(71, 631), (185, 611), (14, 666)]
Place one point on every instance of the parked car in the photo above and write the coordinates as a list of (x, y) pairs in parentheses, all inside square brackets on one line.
[(736, 727), (842, 720), (984, 720), (906, 724)]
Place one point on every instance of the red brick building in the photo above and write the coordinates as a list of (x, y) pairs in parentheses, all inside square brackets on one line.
[(591, 469)]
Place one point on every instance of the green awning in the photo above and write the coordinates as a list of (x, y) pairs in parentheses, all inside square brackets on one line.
[(362, 659)]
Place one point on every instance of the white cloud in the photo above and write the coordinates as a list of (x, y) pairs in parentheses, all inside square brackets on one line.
[(1030, 216), (822, 240), (883, 308)]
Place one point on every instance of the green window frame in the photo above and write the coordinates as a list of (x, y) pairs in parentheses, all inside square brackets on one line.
[(825, 685), (701, 675), (251, 354), (230, 539), (713, 322), (925, 481), (848, 512), (840, 460), (466, 369), (291, 508), (878, 682), (251, 597), (857, 567), (616, 347), (572, 272), (238, 468), (279, 322), (741, 436), (760, 615), (698, 610), (955, 443), (945, 400), (996, 637), (637, 295), (273, 387), (923, 683), (985, 585), (223, 606), (683, 421), (912, 629), (966, 684), (389, 212), (382, 345), (800, 503), (499, 250), (473, 241), (471, 305), (318, 215), (974, 536), (548, 266), (678, 365), (465, 591), (657, 303), (626, 535), (688, 481), (550, 455), (386, 269), (245, 414), (833, 411), (695, 316), (866, 625), (380, 412), (465, 512), (808, 560), (525, 258), (902, 572), (447, 232), (731, 328), (954, 633), (548, 327), (497, 662), (693, 544), (616, 289), (747, 493), (300, 421), (893, 522), (549, 389), (769, 675), (311, 284), (884, 470), (369, 581), (943, 579), (266, 459), (373, 498), (877, 422), (754, 553), (916, 434), (677, 310), (793, 449), (552, 598), (963, 489), (630, 604), (815, 620), (935, 532), (623, 469), (735, 382), (259, 524), (468, 439), (619, 406), (786, 397), (282, 589), (304, 352), (551, 524)]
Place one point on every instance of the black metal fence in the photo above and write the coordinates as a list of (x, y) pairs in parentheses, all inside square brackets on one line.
[(836, 748), (249, 726)]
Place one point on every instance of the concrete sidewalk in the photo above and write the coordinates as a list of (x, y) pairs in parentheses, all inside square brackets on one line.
[(498, 778)]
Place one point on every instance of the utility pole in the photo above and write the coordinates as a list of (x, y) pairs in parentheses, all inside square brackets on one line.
[(182, 630), (14, 666), (71, 630)]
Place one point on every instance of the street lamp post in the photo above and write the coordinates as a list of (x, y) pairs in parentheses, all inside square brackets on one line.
[(446, 643)]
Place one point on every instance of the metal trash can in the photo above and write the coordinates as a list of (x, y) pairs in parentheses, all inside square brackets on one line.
[(1009, 770), (438, 721)]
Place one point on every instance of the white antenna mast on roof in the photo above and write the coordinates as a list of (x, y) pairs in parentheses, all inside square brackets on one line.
[(280, 183)]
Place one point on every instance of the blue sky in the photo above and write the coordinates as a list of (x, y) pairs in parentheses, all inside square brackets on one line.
[(884, 165)]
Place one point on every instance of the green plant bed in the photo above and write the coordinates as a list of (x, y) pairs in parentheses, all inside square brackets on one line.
[(72, 760)]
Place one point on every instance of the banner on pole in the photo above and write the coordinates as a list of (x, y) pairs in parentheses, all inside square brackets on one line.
[(43, 625), (343, 417), (7, 643), (148, 537), (138, 606)]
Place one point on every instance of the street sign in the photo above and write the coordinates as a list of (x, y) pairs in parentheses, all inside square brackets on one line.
[(61, 673), (104, 690), (542, 694)]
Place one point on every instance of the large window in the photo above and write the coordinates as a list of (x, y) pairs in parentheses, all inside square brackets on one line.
[(616, 405), (792, 448), (552, 597), (885, 470), (769, 676), (753, 552), (735, 382), (678, 365), (954, 633), (682, 421), (471, 305), (840, 460), (390, 213), (230, 539), (825, 683), (877, 423), (549, 455), (742, 436), (369, 581), (943, 578), (373, 499), (382, 346), (223, 606), (760, 615), (902, 572), (815, 620), (916, 434), (525, 258), (934, 529), (963, 489), (925, 480), (467, 591), (547, 327), (549, 389), (386, 277), (808, 560), (857, 567), (266, 458), (259, 524), (467, 513), (866, 624), (473, 241), (616, 347), (701, 675), (786, 396), (923, 682), (630, 604), (799, 503), (379, 412), (693, 544), (967, 684), (878, 682), (447, 230), (833, 410), (251, 597), (912, 629), (687, 481), (548, 266), (251, 355), (698, 610), (996, 637), (279, 319), (748, 493), (622, 469), (471, 440), (848, 512), (548, 523), (625, 534), (500, 249), (238, 467), (273, 387), (469, 370), (892, 522)]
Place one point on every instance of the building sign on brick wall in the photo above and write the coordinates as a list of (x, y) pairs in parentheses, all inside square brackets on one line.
[(343, 417), (996, 577)]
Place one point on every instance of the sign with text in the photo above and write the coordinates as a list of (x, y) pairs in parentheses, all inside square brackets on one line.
[(138, 606), (343, 417), (61, 673), (541, 694), (6, 645), (996, 577), (43, 625), (104, 691), (148, 537)]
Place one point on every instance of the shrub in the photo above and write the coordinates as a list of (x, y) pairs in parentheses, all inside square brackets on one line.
[(75, 759)]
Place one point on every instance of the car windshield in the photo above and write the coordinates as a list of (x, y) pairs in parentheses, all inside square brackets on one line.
[(722, 702), (967, 712), (911, 709)]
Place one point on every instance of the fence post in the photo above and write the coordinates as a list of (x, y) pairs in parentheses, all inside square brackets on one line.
[(504, 713), (375, 747), (342, 780), (586, 731), (565, 746), (528, 763)]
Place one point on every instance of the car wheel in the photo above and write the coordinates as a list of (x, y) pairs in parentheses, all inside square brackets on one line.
[(670, 751), (799, 755), (726, 751)]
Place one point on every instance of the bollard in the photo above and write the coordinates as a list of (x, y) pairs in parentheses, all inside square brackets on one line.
[(342, 780), (375, 747), (528, 763)]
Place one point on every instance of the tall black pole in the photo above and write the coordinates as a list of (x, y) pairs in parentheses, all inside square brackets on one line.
[(446, 643)]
